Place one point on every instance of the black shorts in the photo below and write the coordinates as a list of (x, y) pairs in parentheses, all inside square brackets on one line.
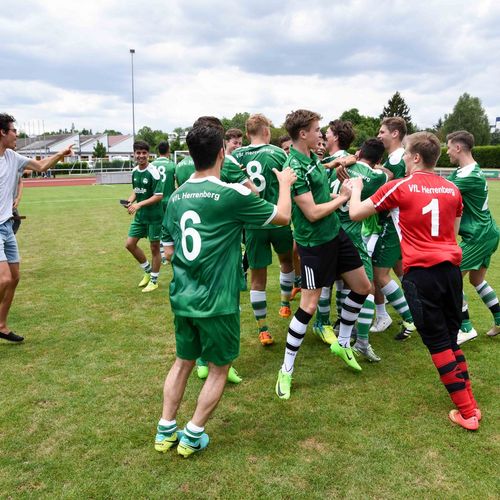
[(322, 265), (434, 295)]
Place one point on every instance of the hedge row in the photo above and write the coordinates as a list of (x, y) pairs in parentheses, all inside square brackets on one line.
[(486, 156)]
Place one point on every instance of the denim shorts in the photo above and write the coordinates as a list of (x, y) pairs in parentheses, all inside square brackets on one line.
[(8, 243)]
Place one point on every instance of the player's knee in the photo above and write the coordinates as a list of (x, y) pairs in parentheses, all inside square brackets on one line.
[(130, 245), (5, 280)]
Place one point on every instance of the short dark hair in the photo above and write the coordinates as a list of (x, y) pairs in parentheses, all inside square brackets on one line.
[(163, 147), (465, 138), (344, 131), (204, 143), (396, 123), (233, 133), (372, 150), (427, 145), (209, 121), (141, 145), (283, 138), (5, 121), (299, 120)]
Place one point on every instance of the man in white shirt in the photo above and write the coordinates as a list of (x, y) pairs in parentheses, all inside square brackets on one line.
[(11, 165)]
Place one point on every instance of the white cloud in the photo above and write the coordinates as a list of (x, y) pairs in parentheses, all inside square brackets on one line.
[(64, 62)]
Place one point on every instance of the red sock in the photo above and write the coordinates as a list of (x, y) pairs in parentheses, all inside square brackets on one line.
[(453, 380), (462, 364)]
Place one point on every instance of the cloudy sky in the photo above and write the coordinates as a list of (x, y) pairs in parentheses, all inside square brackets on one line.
[(67, 62)]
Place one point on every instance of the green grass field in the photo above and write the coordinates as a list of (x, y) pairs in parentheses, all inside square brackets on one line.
[(80, 399)]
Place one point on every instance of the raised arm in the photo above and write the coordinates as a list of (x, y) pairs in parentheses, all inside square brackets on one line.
[(44, 165), (358, 210), (286, 178)]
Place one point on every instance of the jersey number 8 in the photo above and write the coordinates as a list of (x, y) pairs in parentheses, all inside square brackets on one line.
[(254, 171)]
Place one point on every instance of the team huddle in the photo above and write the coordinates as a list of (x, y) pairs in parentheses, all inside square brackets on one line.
[(333, 219)]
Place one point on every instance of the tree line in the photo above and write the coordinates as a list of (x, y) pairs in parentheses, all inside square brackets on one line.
[(467, 114)]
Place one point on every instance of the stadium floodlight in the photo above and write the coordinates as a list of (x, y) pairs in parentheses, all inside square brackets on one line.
[(132, 52)]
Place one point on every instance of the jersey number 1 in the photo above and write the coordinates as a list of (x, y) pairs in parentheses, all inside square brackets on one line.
[(190, 232), (433, 208)]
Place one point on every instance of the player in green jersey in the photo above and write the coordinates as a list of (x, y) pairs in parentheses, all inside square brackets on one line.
[(339, 136), (478, 229), (387, 252), (184, 170), (233, 139), (285, 142), (166, 168), (324, 248), (370, 154), (204, 220), (145, 206), (259, 160)]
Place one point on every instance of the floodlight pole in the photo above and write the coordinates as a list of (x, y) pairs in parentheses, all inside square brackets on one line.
[(132, 52)]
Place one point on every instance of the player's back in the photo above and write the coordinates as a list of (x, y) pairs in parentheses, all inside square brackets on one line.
[(204, 220), (259, 161), (184, 170), (424, 209), (477, 221), (372, 180), (166, 169)]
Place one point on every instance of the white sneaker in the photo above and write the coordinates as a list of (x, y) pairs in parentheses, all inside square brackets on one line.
[(495, 330), (466, 336), (381, 324)]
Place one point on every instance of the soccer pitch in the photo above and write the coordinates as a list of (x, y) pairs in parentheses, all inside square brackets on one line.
[(81, 397)]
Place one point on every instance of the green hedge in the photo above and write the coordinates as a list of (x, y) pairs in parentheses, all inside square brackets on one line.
[(486, 156)]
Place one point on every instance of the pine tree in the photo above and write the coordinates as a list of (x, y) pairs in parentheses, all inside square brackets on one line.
[(468, 114), (99, 150), (396, 106)]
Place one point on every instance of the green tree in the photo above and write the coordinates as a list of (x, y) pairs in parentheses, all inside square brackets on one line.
[(99, 150), (365, 127), (152, 137), (237, 121), (396, 106), (495, 138), (110, 131), (468, 114)]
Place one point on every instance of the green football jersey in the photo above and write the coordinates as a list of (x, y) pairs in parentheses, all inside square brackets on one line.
[(477, 222), (166, 168), (259, 161), (338, 154), (146, 183), (372, 180), (311, 177), (203, 221), (184, 170), (231, 171), (397, 166)]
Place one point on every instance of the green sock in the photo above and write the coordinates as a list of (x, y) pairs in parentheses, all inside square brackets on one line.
[(365, 318), (397, 299)]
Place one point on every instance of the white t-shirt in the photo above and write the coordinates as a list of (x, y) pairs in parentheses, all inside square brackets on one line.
[(11, 164)]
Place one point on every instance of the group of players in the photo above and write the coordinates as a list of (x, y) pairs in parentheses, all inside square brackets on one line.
[(353, 219)]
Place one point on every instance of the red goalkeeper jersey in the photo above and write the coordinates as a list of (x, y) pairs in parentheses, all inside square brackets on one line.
[(424, 207)]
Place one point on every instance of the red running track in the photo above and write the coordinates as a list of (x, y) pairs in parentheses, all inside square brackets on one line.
[(63, 181)]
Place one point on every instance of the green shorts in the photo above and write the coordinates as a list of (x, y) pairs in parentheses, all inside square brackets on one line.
[(151, 231), (259, 241), (388, 248), (215, 340), (365, 258), (477, 254)]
